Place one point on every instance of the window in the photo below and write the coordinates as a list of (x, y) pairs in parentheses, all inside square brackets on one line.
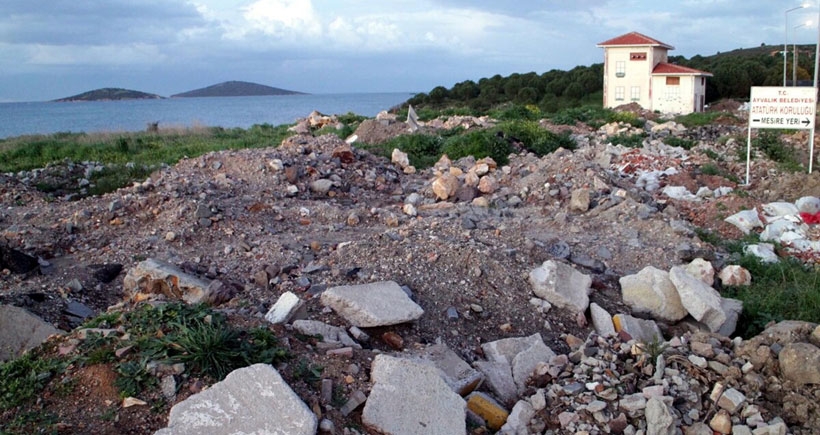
[(672, 81), (673, 93), (619, 93), (637, 56), (703, 81), (635, 93), (620, 68)]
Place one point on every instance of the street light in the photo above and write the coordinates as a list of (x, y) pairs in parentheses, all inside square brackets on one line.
[(794, 59), (786, 43)]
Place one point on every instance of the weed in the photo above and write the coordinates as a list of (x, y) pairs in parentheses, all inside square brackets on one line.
[(24, 377), (696, 119), (133, 377), (675, 141), (628, 140), (787, 289), (339, 396), (206, 348), (306, 371), (478, 143), (534, 138), (769, 142), (423, 150), (653, 348)]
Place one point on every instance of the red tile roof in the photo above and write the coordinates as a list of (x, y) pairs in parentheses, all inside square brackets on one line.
[(634, 38), (669, 68)]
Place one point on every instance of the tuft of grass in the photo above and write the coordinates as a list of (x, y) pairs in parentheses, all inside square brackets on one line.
[(479, 144), (628, 140), (769, 142), (675, 141), (133, 377), (696, 119)]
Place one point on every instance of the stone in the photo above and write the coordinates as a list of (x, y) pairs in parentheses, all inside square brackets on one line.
[(561, 285), (733, 308), (735, 276), (462, 378), (321, 186), (105, 273), (400, 158), (487, 184), (498, 377), (132, 401), (632, 404), (445, 186), (355, 400), (800, 363), (640, 330), (721, 422), (601, 320), (619, 424), (253, 399), (488, 409), (731, 400), (284, 309), (651, 291), (659, 419), (527, 360), (411, 398), (16, 261), (153, 276), (702, 270), (778, 428), (369, 305), (579, 200), (700, 300), (518, 419), (329, 333), (21, 331)]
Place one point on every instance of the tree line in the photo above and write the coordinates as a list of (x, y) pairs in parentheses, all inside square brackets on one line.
[(733, 74)]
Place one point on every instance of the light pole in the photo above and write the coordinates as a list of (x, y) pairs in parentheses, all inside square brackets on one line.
[(794, 58), (786, 43)]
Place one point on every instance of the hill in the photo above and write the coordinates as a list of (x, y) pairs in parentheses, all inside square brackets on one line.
[(236, 89), (108, 94)]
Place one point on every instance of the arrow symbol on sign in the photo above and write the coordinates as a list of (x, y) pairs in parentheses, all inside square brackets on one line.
[(806, 122)]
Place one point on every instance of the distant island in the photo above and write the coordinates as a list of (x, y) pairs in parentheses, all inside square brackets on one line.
[(108, 94), (236, 89)]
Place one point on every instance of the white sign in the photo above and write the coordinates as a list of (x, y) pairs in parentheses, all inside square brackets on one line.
[(786, 108)]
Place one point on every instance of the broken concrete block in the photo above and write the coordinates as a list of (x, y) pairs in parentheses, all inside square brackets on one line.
[(329, 333), (284, 309), (700, 300), (498, 377), (370, 305), (639, 329), (411, 398), (561, 285), (462, 378), (253, 399), (601, 320), (651, 291)]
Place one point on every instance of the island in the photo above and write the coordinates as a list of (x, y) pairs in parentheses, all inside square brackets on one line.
[(110, 94), (236, 89)]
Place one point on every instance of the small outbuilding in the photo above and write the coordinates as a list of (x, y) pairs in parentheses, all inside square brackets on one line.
[(636, 70)]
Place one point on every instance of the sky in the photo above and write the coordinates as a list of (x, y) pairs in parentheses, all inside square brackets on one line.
[(51, 49)]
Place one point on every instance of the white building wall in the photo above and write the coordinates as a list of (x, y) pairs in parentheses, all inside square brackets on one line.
[(678, 99), (623, 74)]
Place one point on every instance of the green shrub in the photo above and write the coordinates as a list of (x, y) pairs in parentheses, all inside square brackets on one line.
[(133, 377), (23, 378), (628, 140), (769, 142), (513, 112), (675, 141), (696, 119), (478, 143), (534, 138), (423, 150)]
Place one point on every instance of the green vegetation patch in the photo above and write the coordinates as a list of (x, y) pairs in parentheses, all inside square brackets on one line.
[(769, 142), (23, 378), (787, 290)]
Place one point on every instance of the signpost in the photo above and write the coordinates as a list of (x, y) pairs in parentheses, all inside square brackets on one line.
[(784, 108)]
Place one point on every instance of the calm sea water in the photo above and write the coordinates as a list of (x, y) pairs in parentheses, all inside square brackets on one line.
[(18, 119)]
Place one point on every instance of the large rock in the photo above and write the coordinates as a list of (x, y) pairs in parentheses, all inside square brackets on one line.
[(700, 300), (410, 398), (601, 320), (16, 261), (253, 399), (561, 285), (646, 331), (445, 186), (284, 309), (800, 363), (659, 419), (21, 331), (651, 291), (370, 305), (153, 276), (733, 308)]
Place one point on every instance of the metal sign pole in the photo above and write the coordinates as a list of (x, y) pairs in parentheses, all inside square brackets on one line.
[(749, 150)]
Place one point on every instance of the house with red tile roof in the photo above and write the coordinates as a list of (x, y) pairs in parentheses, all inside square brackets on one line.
[(636, 70)]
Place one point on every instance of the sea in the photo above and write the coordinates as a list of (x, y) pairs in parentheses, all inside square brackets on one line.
[(45, 117)]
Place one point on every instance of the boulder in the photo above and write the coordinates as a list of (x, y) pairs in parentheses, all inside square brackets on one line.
[(561, 285), (659, 419), (700, 300), (579, 200), (601, 320), (369, 305), (733, 275), (253, 399), (645, 331), (520, 354), (411, 398), (153, 276), (284, 309), (702, 270), (445, 186), (800, 363), (21, 331), (462, 378), (651, 291)]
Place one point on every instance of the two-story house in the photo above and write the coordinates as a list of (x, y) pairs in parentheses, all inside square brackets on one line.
[(636, 70)]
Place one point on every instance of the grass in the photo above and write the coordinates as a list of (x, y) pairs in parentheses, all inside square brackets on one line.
[(23, 378), (129, 157), (696, 119), (675, 141), (787, 290), (769, 142), (628, 140)]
